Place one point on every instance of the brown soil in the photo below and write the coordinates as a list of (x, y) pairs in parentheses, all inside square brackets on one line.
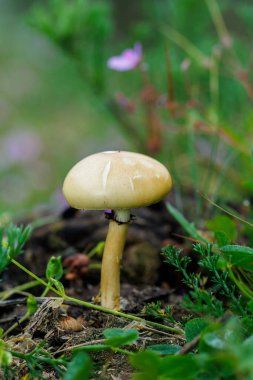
[(145, 278)]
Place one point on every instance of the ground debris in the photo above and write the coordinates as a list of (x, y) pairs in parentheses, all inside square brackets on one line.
[(53, 326), (45, 320)]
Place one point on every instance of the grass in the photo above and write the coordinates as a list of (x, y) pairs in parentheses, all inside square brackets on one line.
[(41, 91), (206, 145)]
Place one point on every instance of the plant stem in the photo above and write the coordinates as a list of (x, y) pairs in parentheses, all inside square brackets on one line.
[(186, 45), (241, 286), (192, 119), (98, 249), (16, 324), (97, 307), (214, 89), (219, 23), (46, 290), (8, 293), (27, 271), (38, 358), (228, 291), (95, 266), (123, 315), (44, 221)]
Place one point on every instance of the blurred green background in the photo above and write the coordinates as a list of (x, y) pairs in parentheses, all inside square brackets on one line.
[(59, 102)]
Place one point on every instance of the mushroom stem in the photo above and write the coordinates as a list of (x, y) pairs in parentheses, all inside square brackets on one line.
[(110, 271)]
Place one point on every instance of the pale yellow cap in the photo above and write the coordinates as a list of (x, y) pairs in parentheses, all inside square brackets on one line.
[(116, 180)]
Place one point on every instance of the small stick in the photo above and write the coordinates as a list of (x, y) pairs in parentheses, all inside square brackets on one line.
[(95, 341), (22, 301), (188, 347)]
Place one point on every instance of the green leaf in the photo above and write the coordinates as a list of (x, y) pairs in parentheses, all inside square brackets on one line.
[(212, 340), (172, 367), (97, 250), (79, 367), (179, 367), (12, 240), (222, 337), (246, 353), (224, 225), (221, 238), (118, 337), (5, 356), (238, 255), (148, 363), (249, 342), (4, 257), (247, 322), (188, 227), (16, 239), (250, 306), (58, 285), (164, 349), (54, 268), (194, 328), (31, 304)]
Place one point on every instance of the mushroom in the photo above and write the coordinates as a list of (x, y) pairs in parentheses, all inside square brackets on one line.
[(118, 181)]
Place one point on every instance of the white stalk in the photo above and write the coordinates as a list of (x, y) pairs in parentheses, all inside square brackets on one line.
[(110, 271)]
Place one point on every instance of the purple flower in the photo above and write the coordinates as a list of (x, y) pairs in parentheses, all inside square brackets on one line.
[(127, 60), (21, 146), (59, 201)]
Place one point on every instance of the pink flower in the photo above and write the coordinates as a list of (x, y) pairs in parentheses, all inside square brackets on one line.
[(127, 60), (21, 146)]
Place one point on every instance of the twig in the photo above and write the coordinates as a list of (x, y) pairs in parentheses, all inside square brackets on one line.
[(188, 347), (91, 342), (135, 324), (22, 301), (7, 319), (18, 289)]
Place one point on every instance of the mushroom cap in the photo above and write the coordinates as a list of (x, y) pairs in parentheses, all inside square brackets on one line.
[(116, 180)]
